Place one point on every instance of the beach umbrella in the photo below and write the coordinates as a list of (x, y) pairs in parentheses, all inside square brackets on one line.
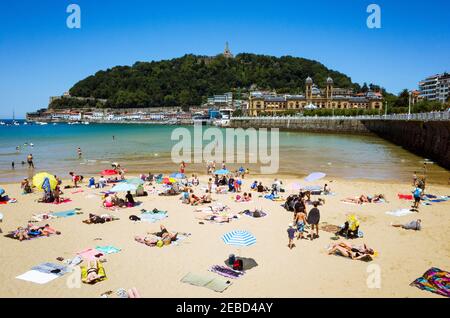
[(108, 172), (40, 179), (315, 176), (124, 187), (2, 191), (168, 180), (239, 238), (222, 172), (135, 181), (178, 175)]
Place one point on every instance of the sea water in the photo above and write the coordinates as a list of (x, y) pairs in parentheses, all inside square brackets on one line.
[(147, 148)]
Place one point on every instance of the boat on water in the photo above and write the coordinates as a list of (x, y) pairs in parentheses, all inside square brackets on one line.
[(225, 118), (2, 123)]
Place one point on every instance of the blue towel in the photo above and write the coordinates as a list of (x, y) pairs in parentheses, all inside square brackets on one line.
[(108, 249), (153, 217), (65, 214)]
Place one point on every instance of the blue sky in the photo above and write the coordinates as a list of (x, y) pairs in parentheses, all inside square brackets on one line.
[(40, 56)]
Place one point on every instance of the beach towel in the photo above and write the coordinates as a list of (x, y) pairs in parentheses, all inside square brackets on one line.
[(50, 268), (37, 277), (65, 214), (226, 271), (90, 254), (401, 212), (209, 281), (62, 202), (434, 280), (43, 273), (405, 196), (108, 249), (153, 217)]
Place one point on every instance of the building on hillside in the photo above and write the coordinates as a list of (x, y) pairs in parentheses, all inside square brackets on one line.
[(227, 52), (329, 97), (435, 87)]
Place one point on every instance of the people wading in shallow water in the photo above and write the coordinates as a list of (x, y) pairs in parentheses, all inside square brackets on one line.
[(30, 161), (80, 153)]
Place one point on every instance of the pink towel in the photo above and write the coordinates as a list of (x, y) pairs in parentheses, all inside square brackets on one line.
[(90, 254)]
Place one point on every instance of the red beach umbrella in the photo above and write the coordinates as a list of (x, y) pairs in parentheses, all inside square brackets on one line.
[(109, 172)]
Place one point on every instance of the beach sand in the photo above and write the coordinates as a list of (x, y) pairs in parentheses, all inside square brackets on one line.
[(305, 271)]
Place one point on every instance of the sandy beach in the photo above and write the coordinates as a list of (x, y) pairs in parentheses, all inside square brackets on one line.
[(305, 271)]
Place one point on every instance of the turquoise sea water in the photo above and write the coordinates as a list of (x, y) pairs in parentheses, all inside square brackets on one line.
[(144, 148)]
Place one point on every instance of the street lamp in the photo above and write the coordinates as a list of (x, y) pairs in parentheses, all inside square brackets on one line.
[(385, 108), (409, 108)]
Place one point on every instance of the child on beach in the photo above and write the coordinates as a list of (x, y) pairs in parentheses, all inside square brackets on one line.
[(300, 222), (291, 235)]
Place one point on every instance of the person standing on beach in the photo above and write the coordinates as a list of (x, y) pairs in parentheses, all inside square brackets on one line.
[(12, 165), (182, 167), (313, 220), (210, 185), (30, 161), (291, 236), (300, 222), (417, 194)]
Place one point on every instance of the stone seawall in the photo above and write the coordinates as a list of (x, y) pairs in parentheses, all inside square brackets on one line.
[(430, 139), (352, 126)]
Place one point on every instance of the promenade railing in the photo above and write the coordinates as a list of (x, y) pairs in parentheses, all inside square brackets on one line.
[(432, 116)]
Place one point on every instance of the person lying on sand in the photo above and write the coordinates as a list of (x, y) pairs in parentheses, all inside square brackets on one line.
[(99, 219), (47, 230), (365, 199), (21, 234), (413, 225), (92, 272), (153, 238), (354, 252)]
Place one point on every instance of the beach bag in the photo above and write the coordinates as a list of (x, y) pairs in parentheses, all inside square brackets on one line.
[(231, 259), (160, 243), (238, 265)]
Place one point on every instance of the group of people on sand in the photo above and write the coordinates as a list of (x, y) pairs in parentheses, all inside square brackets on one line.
[(302, 218), (113, 200), (31, 231)]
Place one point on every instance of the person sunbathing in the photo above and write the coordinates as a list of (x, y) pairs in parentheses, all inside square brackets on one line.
[(21, 234), (25, 185), (352, 251), (92, 272), (413, 225), (47, 230), (153, 238), (99, 219), (165, 235)]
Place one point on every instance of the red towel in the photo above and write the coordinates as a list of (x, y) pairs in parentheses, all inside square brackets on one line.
[(405, 196)]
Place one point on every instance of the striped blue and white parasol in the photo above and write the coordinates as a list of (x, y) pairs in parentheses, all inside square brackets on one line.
[(239, 238)]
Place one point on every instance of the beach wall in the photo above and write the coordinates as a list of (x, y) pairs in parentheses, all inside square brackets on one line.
[(430, 139), (304, 124)]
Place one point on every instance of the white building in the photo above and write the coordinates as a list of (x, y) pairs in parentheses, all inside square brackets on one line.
[(435, 87)]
